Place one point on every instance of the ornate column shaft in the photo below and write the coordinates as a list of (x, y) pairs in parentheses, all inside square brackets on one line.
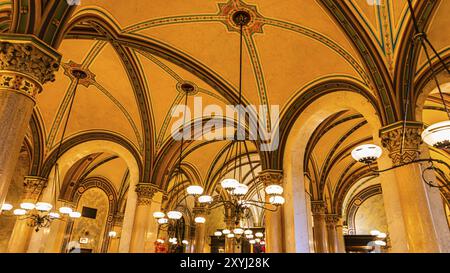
[(21, 234), (142, 217), (411, 194), (113, 246), (320, 230), (340, 236), (331, 221), (25, 65), (200, 230), (273, 220)]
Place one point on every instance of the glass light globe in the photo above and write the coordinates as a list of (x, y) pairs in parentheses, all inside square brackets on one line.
[(174, 215), (161, 241), (374, 232), (380, 243), (218, 233), (231, 235), (238, 231), (262, 243), (43, 206), (274, 190), (226, 231), (65, 210), (19, 212), (438, 135), (249, 236), (252, 242), (367, 153), (163, 221), (257, 240), (185, 242), (158, 214), (276, 200), (200, 220), (194, 190), (74, 214), (259, 234), (382, 235), (112, 234), (240, 190), (229, 184), (248, 232), (6, 207), (205, 199), (54, 215), (27, 206)]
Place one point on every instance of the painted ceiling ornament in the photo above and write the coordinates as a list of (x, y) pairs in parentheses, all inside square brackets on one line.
[(72, 66), (228, 10)]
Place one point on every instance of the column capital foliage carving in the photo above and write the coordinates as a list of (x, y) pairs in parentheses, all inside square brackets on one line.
[(271, 177), (332, 219), (145, 193), (392, 139), (33, 187), (318, 207)]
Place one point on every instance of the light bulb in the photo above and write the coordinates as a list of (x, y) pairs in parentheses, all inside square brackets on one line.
[(205, 199), (43, 206), (252, 242), (6, 207), (231, 235), (163, 221), (200, 220), (54, 215), (158, 214), (374, 232), (27, 206), (238, 231), (75, 214), (276, 200), (259, 234), (194, 190), (174, 215), (226, 231), (274, 190), (65, 210), (185, 242), (248, 232), (19, 212), (112, 234), (218, 233)]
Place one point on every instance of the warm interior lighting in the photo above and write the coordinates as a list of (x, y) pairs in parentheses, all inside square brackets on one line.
[(259, 234), (240, 190), (230, 235), (367, 153), (374, 232), (185, 242), (200, 220), (218, 233), (238, 231), (257, 240), (43, 206), (274, 190), (75, 214), (174, 215), (161, 241), (194, 190), (19, 212), (6, 207), (382, 235), (262, 243), (54, 215), (226, 231), (27, 206), (252, 242), (276, 200), (205, 199), (229, 184), (112, 234), (158, 214), (248, 232), (65, 210), (380, 243), (438, 135), (163, 221), (249, 236)]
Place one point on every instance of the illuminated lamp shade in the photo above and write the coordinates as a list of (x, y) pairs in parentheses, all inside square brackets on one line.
[(161, 241), (252, 242), (218, 233), (380, 243), (240, 190), (174, 215), (6, 207), (200, 220), (231, 235), (112, 234), (382, 235), (259, 234), (438, 135), (163, 221), (65, 210), (276, 200), (367, 153), (263, 243), (75, 214), (238, 231), (226, 231), (257, 240), (248, 232), (19, 212), (249, 236), (229, 184), (374, 232), (27, 206), (54, 215), (42, 206), (158, 214), (185, 242), (194, 190), (274, 190), (205, 199)]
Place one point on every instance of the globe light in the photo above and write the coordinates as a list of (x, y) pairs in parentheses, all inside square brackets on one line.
[(200, 220), (367, 153), (161, 241), (218, 233), (112, 234), (380, 243), (231, 235), (205, 199), (438, 135), (19, 212), (249, 236), (257, 240), (158, 214), (238, 231), (54, 215), (248, 232), (194, 190), (65, 210), (263, 243), (185, 242), (375, 232), (174, 215), (163, 221), (6, 207), (276, 200), (259, 234), (252, 242), (240, 190), (75, 214), (382, 235), (226, 231), (274, 190), (43, 206), (27, 206), (229, 184)]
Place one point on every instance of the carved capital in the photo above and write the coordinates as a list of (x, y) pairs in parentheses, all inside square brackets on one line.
[(271, 177), (145, 193), (118, 219), (200, 211), (33, 187), (318, 207), (402, 149), (331, 220)]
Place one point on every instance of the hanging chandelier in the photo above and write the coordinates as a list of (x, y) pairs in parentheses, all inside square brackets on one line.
[(42, 214), (436, 135)]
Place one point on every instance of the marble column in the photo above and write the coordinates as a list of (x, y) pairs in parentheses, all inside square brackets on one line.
[(113, 246), (340, 236), (22, 232), (273, 220), (331, 222), (25, 65), (142, 217), (414, 201), (320, 230), (200, 230)]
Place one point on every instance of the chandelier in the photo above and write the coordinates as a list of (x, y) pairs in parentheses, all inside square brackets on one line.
[(42, 214), (436, 135)]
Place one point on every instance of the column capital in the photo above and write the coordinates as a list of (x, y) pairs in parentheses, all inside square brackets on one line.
[(331, 219), (271, 177), (318, 207), (33, 187), (145, 193), (118, 219), (392, 139), (200, 210)]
